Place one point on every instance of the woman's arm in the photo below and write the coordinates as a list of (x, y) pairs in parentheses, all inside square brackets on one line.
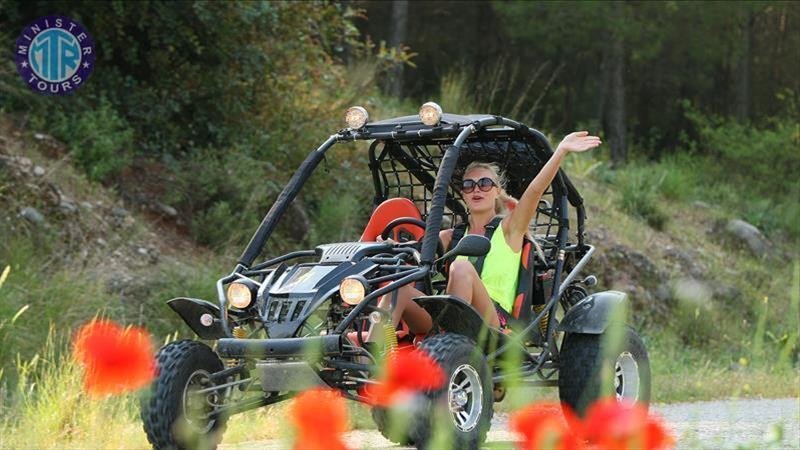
[(522, 215)]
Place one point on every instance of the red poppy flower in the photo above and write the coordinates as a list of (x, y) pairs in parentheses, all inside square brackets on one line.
[(116, 359), (320, 417), (407, 370), (547, 426), (612, 424)]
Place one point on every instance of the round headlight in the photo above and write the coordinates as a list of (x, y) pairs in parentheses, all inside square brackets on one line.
[(430, 114), (356, 117), (352, 291), (240, 295)]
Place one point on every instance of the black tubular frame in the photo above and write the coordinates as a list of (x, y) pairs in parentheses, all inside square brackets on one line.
[(564, 194)]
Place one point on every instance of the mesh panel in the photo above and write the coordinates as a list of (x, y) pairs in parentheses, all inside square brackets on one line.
[(408, 169)]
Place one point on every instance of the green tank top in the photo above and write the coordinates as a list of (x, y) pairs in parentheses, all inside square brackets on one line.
[(500, 270)]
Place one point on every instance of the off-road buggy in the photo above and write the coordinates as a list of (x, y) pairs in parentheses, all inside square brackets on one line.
[(299, 320)]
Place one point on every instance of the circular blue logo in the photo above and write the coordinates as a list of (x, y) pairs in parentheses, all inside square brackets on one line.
[(54, 55)]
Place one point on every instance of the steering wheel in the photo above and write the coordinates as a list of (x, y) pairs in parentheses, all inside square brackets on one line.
[(387, 232)]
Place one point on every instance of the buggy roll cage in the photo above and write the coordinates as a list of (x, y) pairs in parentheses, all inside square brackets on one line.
[(409, 130)]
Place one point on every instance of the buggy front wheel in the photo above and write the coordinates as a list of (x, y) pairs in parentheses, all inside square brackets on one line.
[(461, 410), (174, 413), (586, 368), (391, 425)]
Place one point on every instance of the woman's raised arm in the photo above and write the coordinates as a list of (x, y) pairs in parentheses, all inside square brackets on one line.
[(522, 215)]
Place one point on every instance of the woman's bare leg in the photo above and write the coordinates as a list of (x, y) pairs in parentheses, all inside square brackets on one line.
[(465, 283), (415, 316)]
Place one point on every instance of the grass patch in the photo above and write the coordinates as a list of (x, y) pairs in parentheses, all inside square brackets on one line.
[(639, 196), (682, 374)]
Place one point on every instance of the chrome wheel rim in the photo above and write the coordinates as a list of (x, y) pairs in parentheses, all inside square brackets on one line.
[(198, 408), (465, 397), (626, 377)]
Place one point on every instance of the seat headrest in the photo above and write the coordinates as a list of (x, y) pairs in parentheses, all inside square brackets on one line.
[(388, 211)]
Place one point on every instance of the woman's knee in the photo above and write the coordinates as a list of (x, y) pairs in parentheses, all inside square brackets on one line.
[(462, 269), (405, 294)]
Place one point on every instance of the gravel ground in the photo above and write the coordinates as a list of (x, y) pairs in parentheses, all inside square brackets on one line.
[(724, 424)]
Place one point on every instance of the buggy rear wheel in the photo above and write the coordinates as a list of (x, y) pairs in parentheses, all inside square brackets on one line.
[(174, 414), (461, 410), (585, 366)]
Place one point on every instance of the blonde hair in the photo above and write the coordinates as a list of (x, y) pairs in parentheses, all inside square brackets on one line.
[(504, 202)]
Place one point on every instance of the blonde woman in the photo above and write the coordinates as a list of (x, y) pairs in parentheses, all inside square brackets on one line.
[(483, 191)]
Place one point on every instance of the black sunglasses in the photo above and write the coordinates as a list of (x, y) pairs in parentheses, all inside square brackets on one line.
[(485, 184)]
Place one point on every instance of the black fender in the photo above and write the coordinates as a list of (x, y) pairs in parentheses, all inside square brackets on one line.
[(454, 315), (190, 310), (593, 314)]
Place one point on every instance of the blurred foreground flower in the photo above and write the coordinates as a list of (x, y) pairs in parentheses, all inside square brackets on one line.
[(116, 359), (544, 426), (611, 424), (320, 418), (407, 371)]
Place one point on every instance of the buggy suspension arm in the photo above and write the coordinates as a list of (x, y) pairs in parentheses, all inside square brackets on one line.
[(549, 308), (576, 270)]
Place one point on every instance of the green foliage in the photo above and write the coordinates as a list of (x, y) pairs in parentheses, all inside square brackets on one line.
[(763, 154), (64, 294), (678, 179), (227, 98), (639, 196), (48, 410), (212, 226), (101, 141), (751, 169), (745, 170)]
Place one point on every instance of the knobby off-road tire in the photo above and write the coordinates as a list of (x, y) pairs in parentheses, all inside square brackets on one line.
[(382, 418), (182, 366), (580, 377), (462, 407)]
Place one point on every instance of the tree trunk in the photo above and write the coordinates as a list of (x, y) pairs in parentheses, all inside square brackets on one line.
[(605, 85), (399, 24), (742, 76), (614, 125)]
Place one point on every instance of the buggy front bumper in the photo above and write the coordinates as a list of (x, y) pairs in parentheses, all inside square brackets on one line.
[(308, 348)]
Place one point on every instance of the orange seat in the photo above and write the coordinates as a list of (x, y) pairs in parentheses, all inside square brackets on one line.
[(386, 212)]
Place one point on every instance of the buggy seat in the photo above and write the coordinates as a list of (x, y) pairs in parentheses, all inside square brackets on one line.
[(383, 215), (386, 212)]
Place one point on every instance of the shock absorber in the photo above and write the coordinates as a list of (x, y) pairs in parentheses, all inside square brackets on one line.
[(389, 338), (389, 332), (543, 322), (239, 332)]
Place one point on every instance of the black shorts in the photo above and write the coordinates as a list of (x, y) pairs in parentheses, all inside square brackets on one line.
[(503, 315)]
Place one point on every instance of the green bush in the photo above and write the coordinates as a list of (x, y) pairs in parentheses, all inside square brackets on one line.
[(639, 189), (751, 169), (100, 140), (678, 177)]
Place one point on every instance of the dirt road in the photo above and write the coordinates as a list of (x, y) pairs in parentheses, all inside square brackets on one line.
[(723, 424)]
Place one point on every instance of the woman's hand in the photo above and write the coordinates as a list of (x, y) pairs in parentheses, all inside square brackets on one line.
[(521, 216), (579, 141)]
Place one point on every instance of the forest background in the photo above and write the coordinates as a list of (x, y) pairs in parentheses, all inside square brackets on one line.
[(198, 113)]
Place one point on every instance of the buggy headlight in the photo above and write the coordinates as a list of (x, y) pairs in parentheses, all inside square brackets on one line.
[(356, 117), (240, 295), (430, 114), (352, 291)]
